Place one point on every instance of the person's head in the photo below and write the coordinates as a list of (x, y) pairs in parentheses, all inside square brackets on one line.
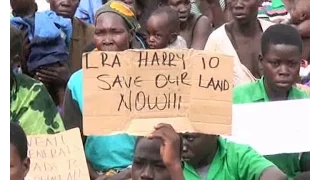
[(16, 42), (244, 11), (64, 8), (115, 26), (299, 10), (19, 162), (281, 51), (197, 148), (147, 161), (183, 7), (163, 28), (22, 8)]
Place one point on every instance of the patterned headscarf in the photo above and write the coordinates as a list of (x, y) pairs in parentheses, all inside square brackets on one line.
[(123, 10)]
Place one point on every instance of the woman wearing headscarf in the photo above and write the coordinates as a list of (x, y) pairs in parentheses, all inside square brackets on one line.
[(115, 27)]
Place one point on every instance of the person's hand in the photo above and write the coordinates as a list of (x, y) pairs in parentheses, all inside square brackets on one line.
[(170, 148), (58, 76)]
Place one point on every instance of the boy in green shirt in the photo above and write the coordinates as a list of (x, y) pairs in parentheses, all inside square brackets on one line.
[(281, 52), (209, 157)]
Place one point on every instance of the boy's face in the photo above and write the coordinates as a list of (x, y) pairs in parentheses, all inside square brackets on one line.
[(183, 7), (64, 8), (281, 65), (159, 36), (22, 8), (111, 33), (18, 167), (244, 10), (148, 163), (197, 147)]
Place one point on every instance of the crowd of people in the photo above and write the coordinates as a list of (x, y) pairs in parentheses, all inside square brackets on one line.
[(271, 59)]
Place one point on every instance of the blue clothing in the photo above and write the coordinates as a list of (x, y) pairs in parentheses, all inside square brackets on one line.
[(87, 10), (44, 31), (44, 24), (103, 152)]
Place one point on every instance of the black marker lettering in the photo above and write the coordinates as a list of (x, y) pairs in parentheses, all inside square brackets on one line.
[(156, 103), (217, 61), (125, 82), (164, 58), (138, 99), (117, 81), (183, 61), (127, 105), (155, 59), (116, 61), (104, 58), (183, 77), (100, 78), (87, 62), (137, 81), (171, 58), (141, 59), (157, 80)]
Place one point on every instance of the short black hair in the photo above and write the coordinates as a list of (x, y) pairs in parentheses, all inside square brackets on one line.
[(280, 34), (173, 17), (15, 41), (18, 139)]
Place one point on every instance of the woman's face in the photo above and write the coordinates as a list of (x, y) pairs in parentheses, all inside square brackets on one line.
[(112, 33)]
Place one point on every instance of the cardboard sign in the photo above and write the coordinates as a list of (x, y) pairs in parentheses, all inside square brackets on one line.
[(273, 127), (58, 156), (134, 90)]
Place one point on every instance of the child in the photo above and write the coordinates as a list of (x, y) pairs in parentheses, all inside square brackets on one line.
[(158, 157), (19, 162), (163, 29), (23, 8)]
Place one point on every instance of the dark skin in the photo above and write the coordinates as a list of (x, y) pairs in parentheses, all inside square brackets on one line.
[(111, 34), (19, 168), (64, 8), (212, 10), (196, 37), (55, 77), (195, 153), (200, 149), (160, 34), (281, 66), (22, 8), (245, 33), (300, 19), (158, 156)]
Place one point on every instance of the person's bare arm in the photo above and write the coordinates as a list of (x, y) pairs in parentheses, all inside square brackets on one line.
[(212, 9), (273, 173), (201, 33), (304, 28)]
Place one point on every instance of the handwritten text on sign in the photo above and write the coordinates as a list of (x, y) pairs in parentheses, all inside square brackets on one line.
[(132, 91), (58, 156)]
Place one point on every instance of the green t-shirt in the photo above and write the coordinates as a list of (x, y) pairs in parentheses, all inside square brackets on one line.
[(256, 92), (232, 162), (253, 92), (33, 108)]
